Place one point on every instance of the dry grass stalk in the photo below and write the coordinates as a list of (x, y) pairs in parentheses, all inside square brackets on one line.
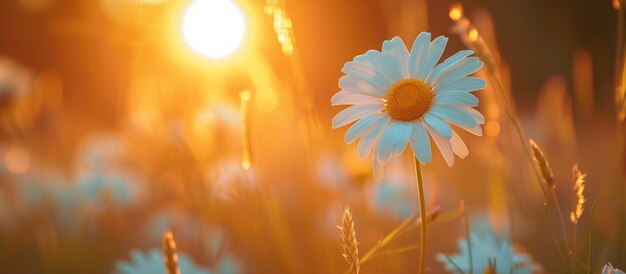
[(579, 197), (350, 245), (282, 25), (433, 215), (245, 129), (170, 256), (542, 164), (470, 36)]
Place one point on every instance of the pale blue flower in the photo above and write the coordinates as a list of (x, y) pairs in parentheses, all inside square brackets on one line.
[(394, 199), (184, 225), (101, 185), (609, 269), (70, 199), (394, 195), (398, 98), (485, 249), (152, 262), (228, 265), (191, 228)]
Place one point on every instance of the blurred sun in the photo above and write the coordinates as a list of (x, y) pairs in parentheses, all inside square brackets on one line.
[(213, 27)]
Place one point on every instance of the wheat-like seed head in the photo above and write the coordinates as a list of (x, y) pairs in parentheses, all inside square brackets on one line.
[(170, 256), (579, 197), (350, 245), (542, 163)]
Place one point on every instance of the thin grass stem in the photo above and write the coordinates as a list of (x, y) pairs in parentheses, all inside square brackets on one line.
[(453, 263), (589, 251), (554, 238), (563, 229), (469, 241)]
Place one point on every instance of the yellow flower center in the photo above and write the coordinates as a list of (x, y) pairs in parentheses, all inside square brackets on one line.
[(409, 100)]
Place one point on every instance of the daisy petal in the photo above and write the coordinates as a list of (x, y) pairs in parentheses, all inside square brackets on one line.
[(361, 126), (376, 166), (434, 54), (356, 85), (345, 97), (396, 48), (476, 115), (354, 113), (463, 68), (391, 64), (402, 137), (420, 143), (454, 114), (476, 130), (440, 125), (365, 71), (447, 64), (377, 61), (367, 141), (419, 54), (443, 144), (458, 146), (456, 98), (393, 140), (465, 84), (385, 143)]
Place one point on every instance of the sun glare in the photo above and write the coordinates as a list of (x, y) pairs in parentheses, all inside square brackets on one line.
[(213, 28)]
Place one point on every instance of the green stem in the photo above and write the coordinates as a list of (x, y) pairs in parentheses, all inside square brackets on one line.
[(422, 202)]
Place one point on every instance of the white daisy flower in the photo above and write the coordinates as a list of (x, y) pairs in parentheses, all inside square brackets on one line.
[(400, 97)]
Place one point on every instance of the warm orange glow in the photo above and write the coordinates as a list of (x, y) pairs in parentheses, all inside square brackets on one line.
[(246, 162), (282, 27), (456, 11), (582, 70), (266, 99), (493, 111), (492, 128), (245, 95), (213, 28), (137, 126), (16, 160), (473, 35)]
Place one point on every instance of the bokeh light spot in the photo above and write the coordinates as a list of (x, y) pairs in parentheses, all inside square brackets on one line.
[(16, 160), (213, 28), (492, 128)]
